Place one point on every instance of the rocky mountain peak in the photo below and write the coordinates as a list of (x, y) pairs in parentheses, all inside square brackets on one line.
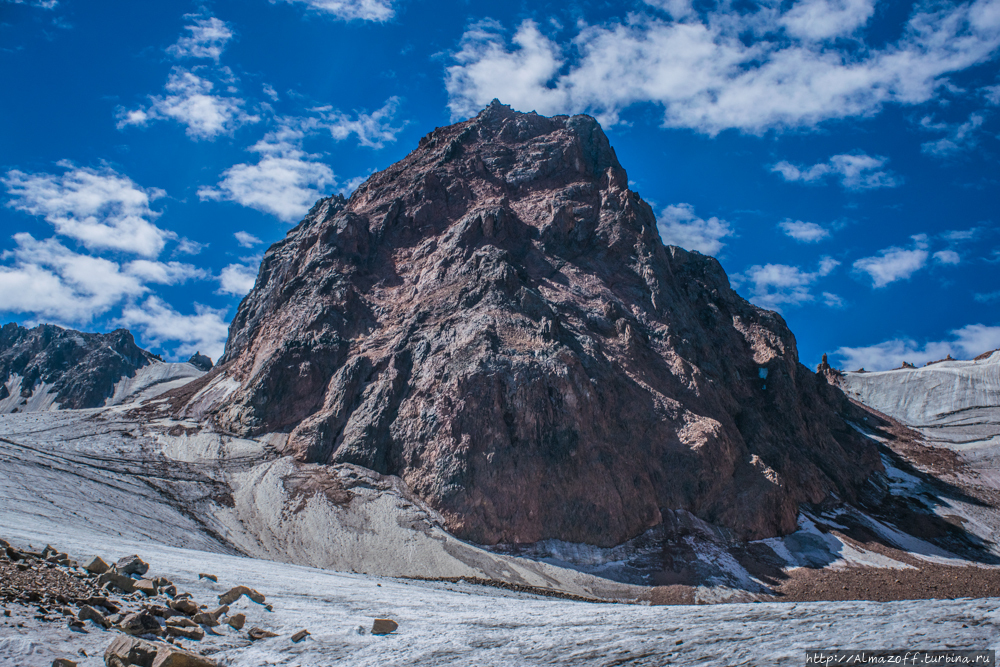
[(495, 320), (48, 364)]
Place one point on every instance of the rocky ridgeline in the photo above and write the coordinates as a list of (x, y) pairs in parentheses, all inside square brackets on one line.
[(79, 369), (149, 615), (495, 320)]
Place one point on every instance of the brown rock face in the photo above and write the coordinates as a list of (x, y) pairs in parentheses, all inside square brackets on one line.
[(495, 320)]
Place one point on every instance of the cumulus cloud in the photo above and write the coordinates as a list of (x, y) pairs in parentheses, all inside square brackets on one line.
[(186, 246), (776, 285), (246, 240), (283, 184), (101, 209), (855, 171), (894, 263), (678, 225), (968, 342), (287, 180), (207, 38), (160, 324), (824, 19), (958, 136), (163, 273), (947, 257), (804, 232), (348, 10), (774, 66), (50, 280), (191, 102), (237, 279)]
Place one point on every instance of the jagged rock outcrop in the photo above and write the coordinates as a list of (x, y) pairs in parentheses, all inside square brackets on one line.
[(77, 370), (201, 361), (495, 320)]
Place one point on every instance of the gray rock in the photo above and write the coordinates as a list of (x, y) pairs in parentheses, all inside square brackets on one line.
[(132, 565), (259, 633), (201, 361), (117, 580), (88, 613), (141, 623), (127, 651), (234, 593), (383, 626)]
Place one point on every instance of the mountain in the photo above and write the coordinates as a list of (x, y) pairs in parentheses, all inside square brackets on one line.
[(951, 403), (495, 320), (50, 368)]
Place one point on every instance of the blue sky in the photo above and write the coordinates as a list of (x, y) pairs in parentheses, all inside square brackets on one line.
[(840, 157)]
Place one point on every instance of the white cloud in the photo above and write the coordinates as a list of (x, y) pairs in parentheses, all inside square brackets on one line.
[(756, 70), (960, 136), (207, 38), (41, 4), (823, 19), (287, 181), (205, 331), (804, 232), (101, 209), (832, 300), (987, 297), (855, 171), (947, 257), (373, 130), (190, 101), (163, 273), (968, 342), (776, 285), (186, 246), (53, 282), (237, 279), (246, 240), (892, 264), (365, 10), (285, 186), (678, 225)]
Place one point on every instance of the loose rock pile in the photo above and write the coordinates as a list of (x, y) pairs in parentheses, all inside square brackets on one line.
[(148, 611)]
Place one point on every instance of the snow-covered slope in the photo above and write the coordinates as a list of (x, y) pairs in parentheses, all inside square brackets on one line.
[(458, 624), (953, 404)]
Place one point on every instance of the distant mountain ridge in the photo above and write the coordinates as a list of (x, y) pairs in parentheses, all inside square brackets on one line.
[(48, 367)]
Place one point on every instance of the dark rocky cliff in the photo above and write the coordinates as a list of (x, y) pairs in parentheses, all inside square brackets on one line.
[(495, 320), (81, 369)]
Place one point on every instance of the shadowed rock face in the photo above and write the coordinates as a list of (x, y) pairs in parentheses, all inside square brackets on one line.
[(495, 320), (82, 368)]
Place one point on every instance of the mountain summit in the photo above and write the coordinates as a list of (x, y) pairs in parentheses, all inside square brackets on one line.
[(495, 320)]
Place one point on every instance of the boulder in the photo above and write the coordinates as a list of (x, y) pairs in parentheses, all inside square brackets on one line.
[(210, 577), (63, 662), (258, 633), (95, 565), (234, 593), (184, 605), (299, 636), (140, 623), (146, 586), (127, 651), (383, 626), (118, 580), (132, 565), (88, 613), (237, 621), (195, 633), (206, 618)]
